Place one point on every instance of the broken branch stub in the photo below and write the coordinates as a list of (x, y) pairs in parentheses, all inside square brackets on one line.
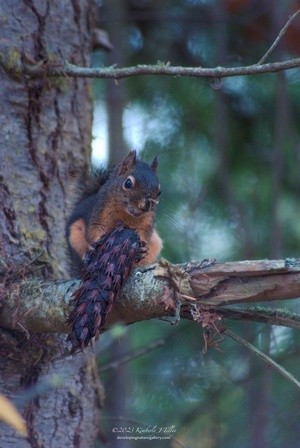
[(216, 284)]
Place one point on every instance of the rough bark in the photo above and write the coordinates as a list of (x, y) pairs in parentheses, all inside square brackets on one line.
[(45, 135), (157, 292), (44, 130)]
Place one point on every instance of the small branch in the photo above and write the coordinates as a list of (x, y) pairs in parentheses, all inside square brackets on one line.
[(263, 356), (270, 316), (63, 68), (139, 351), (69, 70), (133, 355), (278, 38)]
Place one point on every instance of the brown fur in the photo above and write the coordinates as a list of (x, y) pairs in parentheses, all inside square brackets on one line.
[(143, 225), (83, 233)]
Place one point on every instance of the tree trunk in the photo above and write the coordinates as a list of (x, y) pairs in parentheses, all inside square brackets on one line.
[(45, 135)]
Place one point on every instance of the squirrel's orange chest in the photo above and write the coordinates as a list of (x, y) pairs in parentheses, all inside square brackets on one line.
[(110, 217)]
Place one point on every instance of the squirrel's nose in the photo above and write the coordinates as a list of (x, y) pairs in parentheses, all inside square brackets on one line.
[(147, 205)]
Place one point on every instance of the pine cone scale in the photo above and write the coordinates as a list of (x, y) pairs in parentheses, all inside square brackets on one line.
[(107, 266)]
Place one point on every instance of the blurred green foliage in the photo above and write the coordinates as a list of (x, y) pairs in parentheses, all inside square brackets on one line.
[(229, 161)]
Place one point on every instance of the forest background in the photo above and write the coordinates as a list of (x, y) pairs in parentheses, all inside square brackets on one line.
[(229, 159)]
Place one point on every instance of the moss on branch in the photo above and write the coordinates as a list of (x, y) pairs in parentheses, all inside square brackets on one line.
[(36, 306)]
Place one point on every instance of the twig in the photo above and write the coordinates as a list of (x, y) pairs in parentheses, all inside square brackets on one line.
[(133, 355), (263, 356), (67, 69), (270, 316), (276, 41), (60, 67)]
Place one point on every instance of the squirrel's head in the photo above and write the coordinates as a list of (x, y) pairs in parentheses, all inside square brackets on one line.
[(139, 185)]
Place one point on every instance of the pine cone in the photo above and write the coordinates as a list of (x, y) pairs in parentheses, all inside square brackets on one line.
[(108, 265)]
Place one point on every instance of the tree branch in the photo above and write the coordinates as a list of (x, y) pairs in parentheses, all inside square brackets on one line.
[(160, 69), (270, 316), (278, 38), (163, 290), (263, 356), (55, 68)]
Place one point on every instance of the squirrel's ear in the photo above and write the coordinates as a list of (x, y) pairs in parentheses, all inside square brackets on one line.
[(128, 162), (154, 164)]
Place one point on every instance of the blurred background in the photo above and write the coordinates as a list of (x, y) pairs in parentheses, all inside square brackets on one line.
[(229, 164)]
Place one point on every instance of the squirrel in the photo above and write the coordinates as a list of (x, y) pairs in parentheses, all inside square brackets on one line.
[(127, 193)]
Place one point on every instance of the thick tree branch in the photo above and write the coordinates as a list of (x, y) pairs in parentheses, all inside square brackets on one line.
[(162, 291)]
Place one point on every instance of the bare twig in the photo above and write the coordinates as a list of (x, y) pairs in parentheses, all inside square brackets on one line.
[(263, 356), (133, 354), (60, 67), (69, 70), (270, 316), (278, 38)]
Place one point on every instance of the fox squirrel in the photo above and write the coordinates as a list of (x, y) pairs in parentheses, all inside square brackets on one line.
[(128, 194)]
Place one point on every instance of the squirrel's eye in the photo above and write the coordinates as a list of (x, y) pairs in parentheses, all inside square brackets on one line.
[(129, 182), (159, 193)]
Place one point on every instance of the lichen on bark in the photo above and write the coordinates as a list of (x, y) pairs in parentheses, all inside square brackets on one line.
[(45, 134)]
